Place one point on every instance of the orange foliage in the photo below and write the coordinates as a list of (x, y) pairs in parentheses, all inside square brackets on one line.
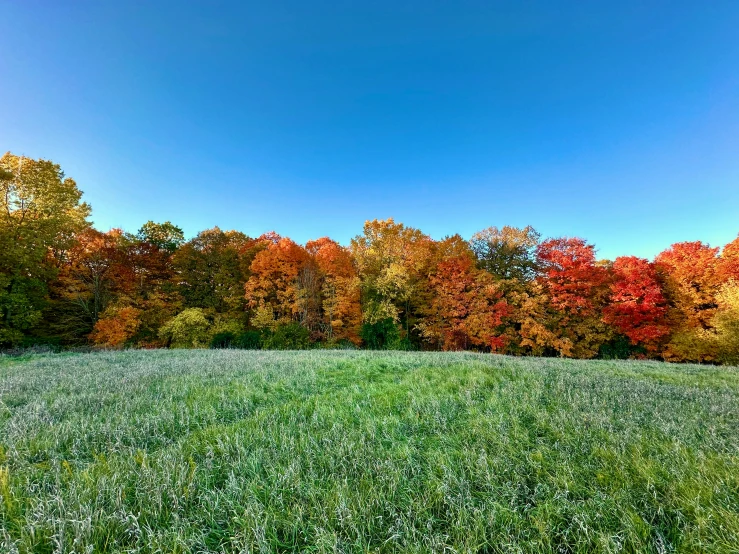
[(342, 311), (727, 266), (465, 307), (689, 270), (116, 327), (504, 290), (96, 270), (273, 284)]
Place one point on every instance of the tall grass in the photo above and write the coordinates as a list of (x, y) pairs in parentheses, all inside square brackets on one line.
[(324, 451)]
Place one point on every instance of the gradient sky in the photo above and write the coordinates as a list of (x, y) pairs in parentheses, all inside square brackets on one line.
[(614, 121)]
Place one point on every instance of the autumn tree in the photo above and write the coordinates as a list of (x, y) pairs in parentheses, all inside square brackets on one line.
[(395, 287), (509, 256), (465, 308), (727, 266), (155, 296), (40, 212), (688, 270), (533, 330), (164, 236), (393, 261), (571, 291), (637, 308), (96, 272), (691, 284), (273, 289), (111, 276), (725, 323), (341, 311), (116, 326)]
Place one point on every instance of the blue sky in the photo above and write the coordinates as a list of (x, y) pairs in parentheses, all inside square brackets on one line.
[(614, 121)]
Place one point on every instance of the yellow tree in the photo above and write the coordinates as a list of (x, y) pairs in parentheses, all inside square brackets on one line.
[(393, 261), (688, 270), (725, 322)]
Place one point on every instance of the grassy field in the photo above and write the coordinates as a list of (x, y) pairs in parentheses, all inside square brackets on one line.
[(249, 451)]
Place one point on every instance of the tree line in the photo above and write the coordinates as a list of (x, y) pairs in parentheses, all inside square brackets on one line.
[(64, 283)]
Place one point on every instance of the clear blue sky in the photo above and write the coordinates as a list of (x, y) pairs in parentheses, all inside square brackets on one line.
[(614, 121)]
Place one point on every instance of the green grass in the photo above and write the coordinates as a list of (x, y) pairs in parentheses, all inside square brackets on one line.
[(248, 451)]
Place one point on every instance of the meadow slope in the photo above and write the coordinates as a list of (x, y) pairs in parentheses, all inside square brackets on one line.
[(325, 451)]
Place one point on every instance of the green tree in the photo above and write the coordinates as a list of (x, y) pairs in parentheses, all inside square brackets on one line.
[(165, 236), (382, 335), (40, 213), (507, 253), (212, 268)]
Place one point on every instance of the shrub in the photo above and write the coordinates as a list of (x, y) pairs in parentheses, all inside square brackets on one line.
[(224, 324), (342, 344), (620, 348), (292, 336), (224, 332), (188, 329), (401, 343), (224, 339), (690, 345), (44, 344), (384, 335), (380, 335), (346, 344), (248, 340)]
